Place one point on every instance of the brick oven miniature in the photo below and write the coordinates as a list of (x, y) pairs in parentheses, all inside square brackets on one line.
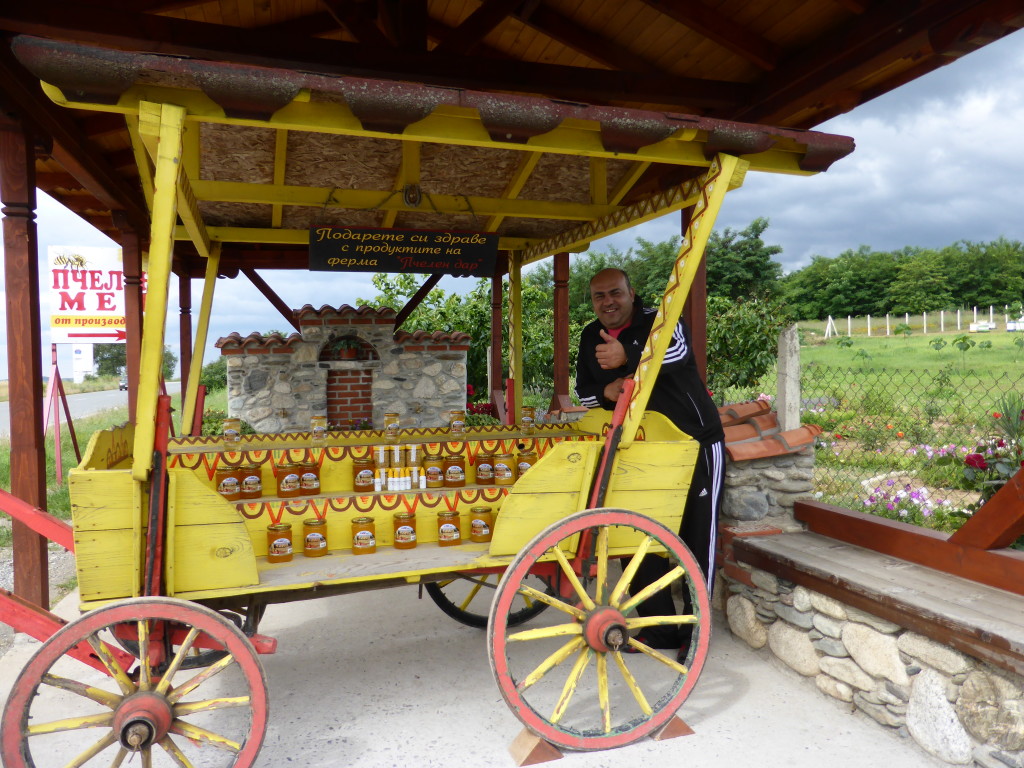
[(349, 364)]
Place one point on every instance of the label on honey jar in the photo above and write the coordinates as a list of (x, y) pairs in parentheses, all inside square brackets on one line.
[(448, 532), (228, 486), (252, 484), (363, 540), (523, 466), (364, 479), (282, 546), (481, 528), (455, 474), (405, 534), (315, 541), (290, 482), (310, 482)]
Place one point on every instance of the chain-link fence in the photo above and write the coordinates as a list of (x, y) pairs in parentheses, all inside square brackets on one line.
[(889, 435)]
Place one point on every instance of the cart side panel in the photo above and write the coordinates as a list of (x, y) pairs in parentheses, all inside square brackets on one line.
[(106, 511), (208, 544), (555, 487)]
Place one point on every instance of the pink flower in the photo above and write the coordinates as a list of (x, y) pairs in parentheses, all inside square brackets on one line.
[(975, 460)]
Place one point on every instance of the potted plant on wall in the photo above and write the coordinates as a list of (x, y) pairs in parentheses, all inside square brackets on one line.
[(348, 348)]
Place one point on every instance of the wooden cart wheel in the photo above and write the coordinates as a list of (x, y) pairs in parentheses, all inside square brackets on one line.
[(467, 599), (569, 681), (63, 713)]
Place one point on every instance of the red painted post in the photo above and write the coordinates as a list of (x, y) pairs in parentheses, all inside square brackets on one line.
[(21, 272), (695, 311), (560, 374), (131, 254)]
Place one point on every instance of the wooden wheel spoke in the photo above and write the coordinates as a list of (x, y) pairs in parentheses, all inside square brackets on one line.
[(145, 673), (631, 683), (551, 600), (472, 594), (630, 571), (91, 752), (551, 662), (602, 691), (106, 698), (147, 758), (186, 688), (650, 589), (122, 753), (209, 705), (542, 633), (680, 668), (570, 574), (601, 553), (176, 662), (204, 737), (570, 684), (175, 754), (639, 622), (106, 657), (71, 724)]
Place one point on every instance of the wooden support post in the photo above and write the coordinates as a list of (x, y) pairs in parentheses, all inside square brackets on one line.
[(185, 330), (695, 313), (24, 342), (515, 332), (560, 375), (192, 406), (495, 381), (131, 264), (416, 300)]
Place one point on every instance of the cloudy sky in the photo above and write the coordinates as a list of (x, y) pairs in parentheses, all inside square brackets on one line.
[(937, 161)]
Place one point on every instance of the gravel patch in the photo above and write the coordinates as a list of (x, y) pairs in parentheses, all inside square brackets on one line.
[(62, 581)]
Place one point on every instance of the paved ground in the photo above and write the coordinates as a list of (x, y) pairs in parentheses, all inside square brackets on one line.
[(383, 679)]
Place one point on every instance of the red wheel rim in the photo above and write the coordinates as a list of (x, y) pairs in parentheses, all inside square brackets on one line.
[(675, 692), (15, 746)]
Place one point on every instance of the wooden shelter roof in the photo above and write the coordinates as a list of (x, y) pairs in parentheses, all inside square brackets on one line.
[(531, 118)]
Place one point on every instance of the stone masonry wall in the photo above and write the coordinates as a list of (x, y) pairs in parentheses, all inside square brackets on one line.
[(958, 708), (764, 490)]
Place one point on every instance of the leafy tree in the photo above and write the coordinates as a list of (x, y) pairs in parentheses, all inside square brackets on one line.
[(109, 359), (214, 375), (740, 264), (170, 360), (920, 285), (984, 274), (742, 340)]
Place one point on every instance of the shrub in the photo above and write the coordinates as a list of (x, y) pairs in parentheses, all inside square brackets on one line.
[(213, 423)]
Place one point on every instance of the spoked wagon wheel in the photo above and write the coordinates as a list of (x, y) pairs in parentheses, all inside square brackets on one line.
[(570, 681), (64, 713), (467, 598)]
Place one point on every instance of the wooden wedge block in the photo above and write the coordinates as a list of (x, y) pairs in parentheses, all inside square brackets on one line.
[(529, 749)]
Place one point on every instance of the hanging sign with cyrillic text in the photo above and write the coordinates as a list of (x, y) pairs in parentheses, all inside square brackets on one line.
[(365, 249)]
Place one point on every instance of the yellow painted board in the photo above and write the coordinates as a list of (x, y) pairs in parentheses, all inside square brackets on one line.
[(109, 448), (102, 500), (215, 556), (648, 465), (197, 503), (105, 564), (664, 506)]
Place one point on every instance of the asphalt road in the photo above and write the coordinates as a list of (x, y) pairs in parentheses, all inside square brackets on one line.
[(82, 405)]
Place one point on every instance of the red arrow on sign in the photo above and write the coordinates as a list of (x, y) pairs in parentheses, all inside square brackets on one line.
[(119, 335)]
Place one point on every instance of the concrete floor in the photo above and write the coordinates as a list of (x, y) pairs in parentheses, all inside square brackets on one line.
[(384, 679)]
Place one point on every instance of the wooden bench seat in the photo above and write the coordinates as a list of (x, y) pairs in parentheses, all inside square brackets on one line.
[(979, 620)]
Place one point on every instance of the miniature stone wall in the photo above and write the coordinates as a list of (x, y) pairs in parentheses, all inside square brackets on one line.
[(956, 707), (765, 489), (278, 383)]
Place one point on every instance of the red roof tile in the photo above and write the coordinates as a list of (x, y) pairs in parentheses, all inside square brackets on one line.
[(345, 311), (752, 432), (256, 341)]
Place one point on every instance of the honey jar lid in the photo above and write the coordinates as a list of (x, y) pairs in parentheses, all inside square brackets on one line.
[(249, 466), (446, 514), (312, 464), (480, 509), (362, 520), (403, 516), (279, 527), (314, 521), (527, 452)]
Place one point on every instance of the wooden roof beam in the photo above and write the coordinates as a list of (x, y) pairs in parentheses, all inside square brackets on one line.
[(353, 17), (476, 26), (709, 23), (408, 173), (94, 25), (405, 22), (527, 162)]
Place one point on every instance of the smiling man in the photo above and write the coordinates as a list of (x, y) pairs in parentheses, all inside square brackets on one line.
[(609, 352)]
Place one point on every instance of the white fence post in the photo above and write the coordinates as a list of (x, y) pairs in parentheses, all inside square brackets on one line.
[(942, 321), (849, 326), (958, 319), (925, 321), (787, 396), (869, 325), (886, 323)]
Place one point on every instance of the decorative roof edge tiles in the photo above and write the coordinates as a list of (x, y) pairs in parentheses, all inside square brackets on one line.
[(256, 340), (432, 337), (752, 432), (344, 311)]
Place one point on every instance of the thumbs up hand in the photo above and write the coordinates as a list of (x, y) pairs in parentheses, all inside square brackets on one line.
[(611, 354)]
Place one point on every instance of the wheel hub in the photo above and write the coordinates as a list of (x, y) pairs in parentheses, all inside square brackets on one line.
[(605, 629), (142, 719)]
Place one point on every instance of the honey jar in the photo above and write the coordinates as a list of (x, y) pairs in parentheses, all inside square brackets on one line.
[(309, 478), (318, 428), (364, 536), (228, 484), (504, 469), (433, 469), (485, 468), (251, 476), (527, 419), (231, 430), (288, 480), (398, 454), (314, 537), (381, 456), (392, 427), (405, 530), (448, 533), (454, 471), (362, 474), (457, 422), (413, 455), (524, 460), (279, 543), (481, 523)]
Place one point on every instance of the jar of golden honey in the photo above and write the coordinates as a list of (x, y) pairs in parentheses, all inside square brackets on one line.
[(309, 478), (364, 536), (362, 475), (228, 484), (504, 469), (231, 430), (252, 480), (318, 428), (279, 543), (392, 427), (481, 523), (484, 468), (448, 533), (381, 456), (398, 454), (524, 460), (405, 530), (288, 480), (433, 470), (454, 471), (457, 422), (314, 537), (527, 419)]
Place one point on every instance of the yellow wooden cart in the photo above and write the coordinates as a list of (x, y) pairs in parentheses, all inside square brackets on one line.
[(174, 579)]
